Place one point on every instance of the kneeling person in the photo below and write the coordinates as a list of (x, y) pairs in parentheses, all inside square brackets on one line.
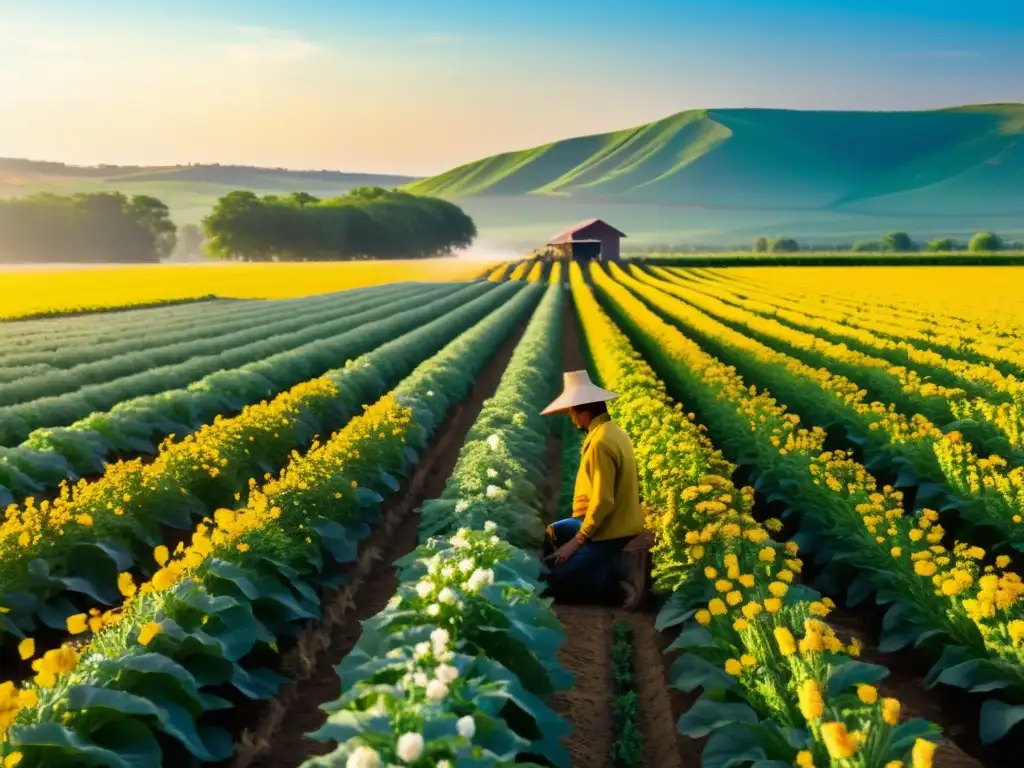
[(584, 551)]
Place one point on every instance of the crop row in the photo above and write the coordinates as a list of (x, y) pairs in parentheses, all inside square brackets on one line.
[(67, 350), (53, 555), (247, 580), (942, 470), (17, 421), (456, 667), (940, 595), (778, 684), (136, 425)]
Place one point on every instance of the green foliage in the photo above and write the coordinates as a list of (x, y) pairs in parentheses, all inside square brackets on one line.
[(867, 246), (761, 245), (783, 245), (92, 227), (985, 241), (943, 245), (501, 463), (628, 749), (367, 223), (898, 242)]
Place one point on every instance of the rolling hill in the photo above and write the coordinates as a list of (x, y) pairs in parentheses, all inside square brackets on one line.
[(957, 168)]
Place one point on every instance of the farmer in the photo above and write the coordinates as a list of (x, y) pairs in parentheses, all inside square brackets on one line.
[(584, 551)]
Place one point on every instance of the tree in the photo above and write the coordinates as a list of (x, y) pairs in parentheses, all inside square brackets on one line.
[(942, 245), (154, 215), (761, 245), (899, 242), (985, 241), (784, 245)]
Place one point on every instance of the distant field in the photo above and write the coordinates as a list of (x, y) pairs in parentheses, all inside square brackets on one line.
[(30, 291)]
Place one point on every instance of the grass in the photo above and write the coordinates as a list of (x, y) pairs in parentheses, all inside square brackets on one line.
[(32, 292)]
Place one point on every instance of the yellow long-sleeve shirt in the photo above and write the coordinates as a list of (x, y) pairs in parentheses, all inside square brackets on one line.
[(606, 493)]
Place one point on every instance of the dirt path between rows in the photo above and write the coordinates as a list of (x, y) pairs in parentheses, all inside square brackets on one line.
[(587, 655), (278, 736)]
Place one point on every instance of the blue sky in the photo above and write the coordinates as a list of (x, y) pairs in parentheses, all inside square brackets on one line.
[(416, 87)]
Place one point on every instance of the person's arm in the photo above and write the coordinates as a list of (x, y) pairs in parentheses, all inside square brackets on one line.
[(602, 492)]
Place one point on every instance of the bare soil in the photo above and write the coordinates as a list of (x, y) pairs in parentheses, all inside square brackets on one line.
[(277, 734)]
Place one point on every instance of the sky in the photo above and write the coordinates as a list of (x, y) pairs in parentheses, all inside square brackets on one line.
[(417, 87)]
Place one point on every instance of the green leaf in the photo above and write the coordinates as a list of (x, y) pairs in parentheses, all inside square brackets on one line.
[(997, 719), (854, 673), (342, 541), (346, 724), (706, 716), (67, 747), (690, 672), (174, 721)]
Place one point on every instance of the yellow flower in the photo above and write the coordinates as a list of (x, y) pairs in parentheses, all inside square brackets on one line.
[(126, 585), (723, 585), (786, 641), (778, 588), (160, 554), (747, 660), (710, 572), (733, 667), (766, 555), (750, 610), (838, 741), (804, 759), (1016, 630), (891, 711), (867, 693), (924, 568), (1002, 561), (922, 753), (809, 700), (747, 580), (896, 551), (703, 617), (12, 759), (734, 598), (84, 520), (148, 632), (740, 624), (27, 648), (78, 623), (717, 607), (773, 605)]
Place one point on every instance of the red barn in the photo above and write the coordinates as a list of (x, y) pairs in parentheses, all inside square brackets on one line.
[(589, 240)]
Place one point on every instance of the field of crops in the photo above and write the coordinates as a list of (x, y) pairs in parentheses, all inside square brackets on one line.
[(305, 531)]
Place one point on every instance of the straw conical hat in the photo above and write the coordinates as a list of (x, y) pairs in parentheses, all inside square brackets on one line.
[(577, 389)]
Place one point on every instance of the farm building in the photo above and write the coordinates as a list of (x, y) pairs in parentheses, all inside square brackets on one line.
[(589, 240)]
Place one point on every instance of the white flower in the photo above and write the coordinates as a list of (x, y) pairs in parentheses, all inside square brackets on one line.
[(440, 638), (420, 679), (466, 726), (492, 473), (444, 655), (481, 577), (410, 746), (447, 572), (467, 565), (394, 653), (444, 764), (493, 442), (495, 539), (493, 491), (394, 602), (422, 649), (430, 393), (433, 609), (490, 526), (459, 541), (424, 589), (363, 757), (461, 506), (446, 673), (446, 595), (436, 690)]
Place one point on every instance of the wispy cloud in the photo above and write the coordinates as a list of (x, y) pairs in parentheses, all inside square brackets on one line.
[(255, 45)]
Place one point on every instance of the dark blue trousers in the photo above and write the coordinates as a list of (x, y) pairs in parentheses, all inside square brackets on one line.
[(592, 574)]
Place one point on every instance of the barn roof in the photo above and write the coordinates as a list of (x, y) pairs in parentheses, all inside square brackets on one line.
[(569, 235)]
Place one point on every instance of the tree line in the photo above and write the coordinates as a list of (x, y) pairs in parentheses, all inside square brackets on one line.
[(895, 242), (95, 227), (366, 223)]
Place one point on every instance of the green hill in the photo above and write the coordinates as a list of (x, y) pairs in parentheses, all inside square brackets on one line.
[(965, 162)]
